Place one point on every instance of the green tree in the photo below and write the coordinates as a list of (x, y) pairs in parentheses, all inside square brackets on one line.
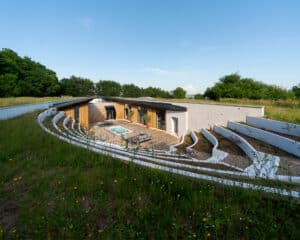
[(179, 93), (296, 90), (131, 90), (155, 92), (198, 96), (108, 88), (8, 85), (213, 93), (77, 86), (30, 78), (234, 86)]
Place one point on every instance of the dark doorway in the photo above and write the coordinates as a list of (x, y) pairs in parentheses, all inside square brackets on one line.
[(160, 120), (175, 125), (110, 112), (142, 115), (127, 110), (76, 113)]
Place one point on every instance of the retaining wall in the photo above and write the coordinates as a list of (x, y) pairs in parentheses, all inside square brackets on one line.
[(286, 144), (238, 140), (275, 126)]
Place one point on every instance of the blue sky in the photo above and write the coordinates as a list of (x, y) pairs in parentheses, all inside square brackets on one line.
[(159, 43)]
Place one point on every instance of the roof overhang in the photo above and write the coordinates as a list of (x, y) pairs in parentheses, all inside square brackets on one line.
[(77, 101), (149, 104)]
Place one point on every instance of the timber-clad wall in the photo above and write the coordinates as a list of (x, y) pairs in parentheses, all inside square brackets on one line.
[(83, 114), (152, 121), (134, 117), (70, 112), (120, 111)]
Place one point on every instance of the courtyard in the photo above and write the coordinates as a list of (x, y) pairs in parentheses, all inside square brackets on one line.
[(160, 139)]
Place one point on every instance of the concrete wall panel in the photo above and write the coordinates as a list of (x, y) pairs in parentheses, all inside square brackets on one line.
[(208, 115), (275, 126), (288, 145)]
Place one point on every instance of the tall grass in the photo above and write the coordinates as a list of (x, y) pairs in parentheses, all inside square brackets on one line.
[(53, 190), (11, 101)]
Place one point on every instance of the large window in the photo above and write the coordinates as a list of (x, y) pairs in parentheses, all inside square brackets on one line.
[(142, 115), (160, 120), (127, 110), (76, 113), (110, 112)]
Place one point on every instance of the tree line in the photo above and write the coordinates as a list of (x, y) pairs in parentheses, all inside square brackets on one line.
[(234, 86), (25, 77), (76, 86)]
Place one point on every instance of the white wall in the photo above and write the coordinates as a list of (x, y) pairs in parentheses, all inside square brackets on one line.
[(288, 145), (97, 112), (275, 126), (182, 122), (207, 115)]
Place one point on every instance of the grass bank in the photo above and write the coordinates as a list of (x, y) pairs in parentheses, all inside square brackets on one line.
[(11, 101), (50, 189), (282, 110)]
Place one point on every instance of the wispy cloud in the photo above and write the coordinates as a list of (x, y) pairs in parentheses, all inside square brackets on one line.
[(161, 71), (86, 22)]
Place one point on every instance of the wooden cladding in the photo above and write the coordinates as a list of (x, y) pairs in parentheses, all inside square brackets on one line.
[(83, 114), (152, 118), (83, 117), (70, 112), (134, 116), (120, 110), (151, 113)]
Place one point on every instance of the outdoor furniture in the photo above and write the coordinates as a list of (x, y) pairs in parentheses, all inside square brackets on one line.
[(142, 137)]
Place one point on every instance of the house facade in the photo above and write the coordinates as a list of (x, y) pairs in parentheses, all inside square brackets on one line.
[(175, 118)]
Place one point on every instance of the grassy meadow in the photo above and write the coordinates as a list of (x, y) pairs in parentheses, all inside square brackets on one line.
[(53, 190), (282, 110), (11, 101)]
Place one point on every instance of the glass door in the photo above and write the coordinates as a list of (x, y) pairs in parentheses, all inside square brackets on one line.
[(110, 113), (160, 120)]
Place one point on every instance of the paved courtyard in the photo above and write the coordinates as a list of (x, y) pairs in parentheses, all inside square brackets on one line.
[(160, 139)]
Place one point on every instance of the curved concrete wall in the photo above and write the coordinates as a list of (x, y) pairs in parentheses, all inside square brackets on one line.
[(283, 143), (63, 137), (238, 140), (275, 126), (219, 155), (97, 112), (195, 141)]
